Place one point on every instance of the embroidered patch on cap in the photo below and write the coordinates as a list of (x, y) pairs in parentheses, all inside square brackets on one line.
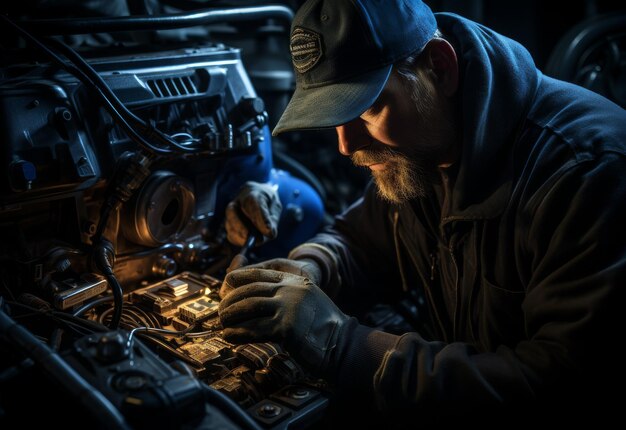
[(306, 49)]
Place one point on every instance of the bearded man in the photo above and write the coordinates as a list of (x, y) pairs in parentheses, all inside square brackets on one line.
[(499, 201)]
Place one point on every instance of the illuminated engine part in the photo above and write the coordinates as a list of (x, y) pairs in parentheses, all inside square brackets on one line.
[(160, 210)]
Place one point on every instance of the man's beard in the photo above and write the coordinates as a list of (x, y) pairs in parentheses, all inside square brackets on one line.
[(410, 173), (404, 178)]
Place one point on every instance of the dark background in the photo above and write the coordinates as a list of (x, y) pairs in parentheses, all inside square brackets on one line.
[(536, 24)]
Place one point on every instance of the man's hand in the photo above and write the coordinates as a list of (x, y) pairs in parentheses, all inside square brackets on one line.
[(307, 268), (268, 305), (256, 204)]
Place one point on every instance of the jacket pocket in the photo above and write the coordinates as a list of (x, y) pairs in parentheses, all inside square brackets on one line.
[(498, 317)]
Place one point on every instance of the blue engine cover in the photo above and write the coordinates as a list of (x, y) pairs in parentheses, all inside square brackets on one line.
[(303, 209), (302, 216)]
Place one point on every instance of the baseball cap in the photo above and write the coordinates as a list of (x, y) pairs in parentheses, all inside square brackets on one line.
[(343, 52)]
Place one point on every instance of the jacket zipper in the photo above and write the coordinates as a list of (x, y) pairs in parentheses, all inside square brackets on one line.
[(396, 241), (457, 297), (433, 270), (433, 261), (434, 304)]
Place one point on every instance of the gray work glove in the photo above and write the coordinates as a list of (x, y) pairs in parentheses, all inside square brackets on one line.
[(307, 268), (257, 205), (268, 305)]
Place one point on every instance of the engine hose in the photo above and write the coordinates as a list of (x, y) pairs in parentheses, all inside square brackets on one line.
[(162, 22)]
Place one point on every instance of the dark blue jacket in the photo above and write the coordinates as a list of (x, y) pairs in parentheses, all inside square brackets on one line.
[(523, 268)]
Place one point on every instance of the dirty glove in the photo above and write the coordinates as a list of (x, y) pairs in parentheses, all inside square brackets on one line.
[(257, 205), (268, 305), (307, 268)]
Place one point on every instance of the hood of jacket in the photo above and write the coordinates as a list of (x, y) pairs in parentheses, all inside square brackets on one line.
[(498, 80)]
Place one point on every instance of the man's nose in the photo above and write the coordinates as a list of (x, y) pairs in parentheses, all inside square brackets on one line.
[(352, 137)]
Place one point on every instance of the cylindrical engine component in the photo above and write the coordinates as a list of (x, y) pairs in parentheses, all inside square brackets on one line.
[(164, 266), (160, 210)]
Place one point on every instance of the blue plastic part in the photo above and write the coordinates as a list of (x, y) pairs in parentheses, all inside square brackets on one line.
[(302, 216), (237, 170), (303, 209), (29, 171)]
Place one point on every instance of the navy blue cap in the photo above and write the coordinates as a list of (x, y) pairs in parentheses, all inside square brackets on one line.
[(343, 52)]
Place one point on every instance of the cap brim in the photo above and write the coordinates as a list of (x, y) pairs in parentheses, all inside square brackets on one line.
[(334, 104)]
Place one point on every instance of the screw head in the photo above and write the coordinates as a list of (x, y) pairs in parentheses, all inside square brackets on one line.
[(268, 410)]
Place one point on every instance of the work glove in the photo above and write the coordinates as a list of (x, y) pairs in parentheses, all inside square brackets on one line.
[(271, 306), (307, 268), (256, 205)]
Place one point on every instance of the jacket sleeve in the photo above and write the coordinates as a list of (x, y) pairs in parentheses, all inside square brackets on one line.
[(361, 242), (576, 260)]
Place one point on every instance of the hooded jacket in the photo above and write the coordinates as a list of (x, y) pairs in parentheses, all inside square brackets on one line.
[(522, 265)]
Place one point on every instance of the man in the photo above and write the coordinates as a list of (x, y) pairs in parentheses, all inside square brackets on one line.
[(500, 194)]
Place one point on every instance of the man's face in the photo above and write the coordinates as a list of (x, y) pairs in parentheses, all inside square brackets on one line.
[(403, 138)]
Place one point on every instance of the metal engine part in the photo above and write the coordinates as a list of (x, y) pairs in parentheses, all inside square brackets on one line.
[(152, 185), (160, 210)]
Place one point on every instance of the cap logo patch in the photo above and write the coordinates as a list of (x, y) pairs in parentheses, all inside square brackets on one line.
[(306, 49)]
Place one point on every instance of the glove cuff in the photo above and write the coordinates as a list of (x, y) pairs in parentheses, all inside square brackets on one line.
[(326, 261), (359, 353)]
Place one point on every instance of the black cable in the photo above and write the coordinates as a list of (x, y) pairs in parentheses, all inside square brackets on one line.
[(129, 122), (136, 317), (118, 298), (80, 311), (56, 338), (58, 370), (168, 247), (135, 122), (75, 71), (149, 316), (126, 321), (67, 249), (163, 22), (132, 169), (102, 318), (92, 79), (103, 220), (103, 257), (133, 317), (301, 171), (59, 316)]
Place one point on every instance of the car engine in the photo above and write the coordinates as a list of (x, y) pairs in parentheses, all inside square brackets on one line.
[(118, 159)]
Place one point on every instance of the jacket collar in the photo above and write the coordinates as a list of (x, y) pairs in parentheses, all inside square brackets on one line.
[(498, 83)]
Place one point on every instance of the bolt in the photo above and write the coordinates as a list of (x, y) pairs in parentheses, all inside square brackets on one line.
[(90, 228), (294, 212), (299, 393), (268, 410), (135, 382)]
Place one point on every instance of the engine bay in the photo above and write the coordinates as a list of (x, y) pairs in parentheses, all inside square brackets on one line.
[(120, 160)]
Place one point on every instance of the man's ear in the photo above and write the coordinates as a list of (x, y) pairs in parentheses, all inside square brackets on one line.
[(442, 61)]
